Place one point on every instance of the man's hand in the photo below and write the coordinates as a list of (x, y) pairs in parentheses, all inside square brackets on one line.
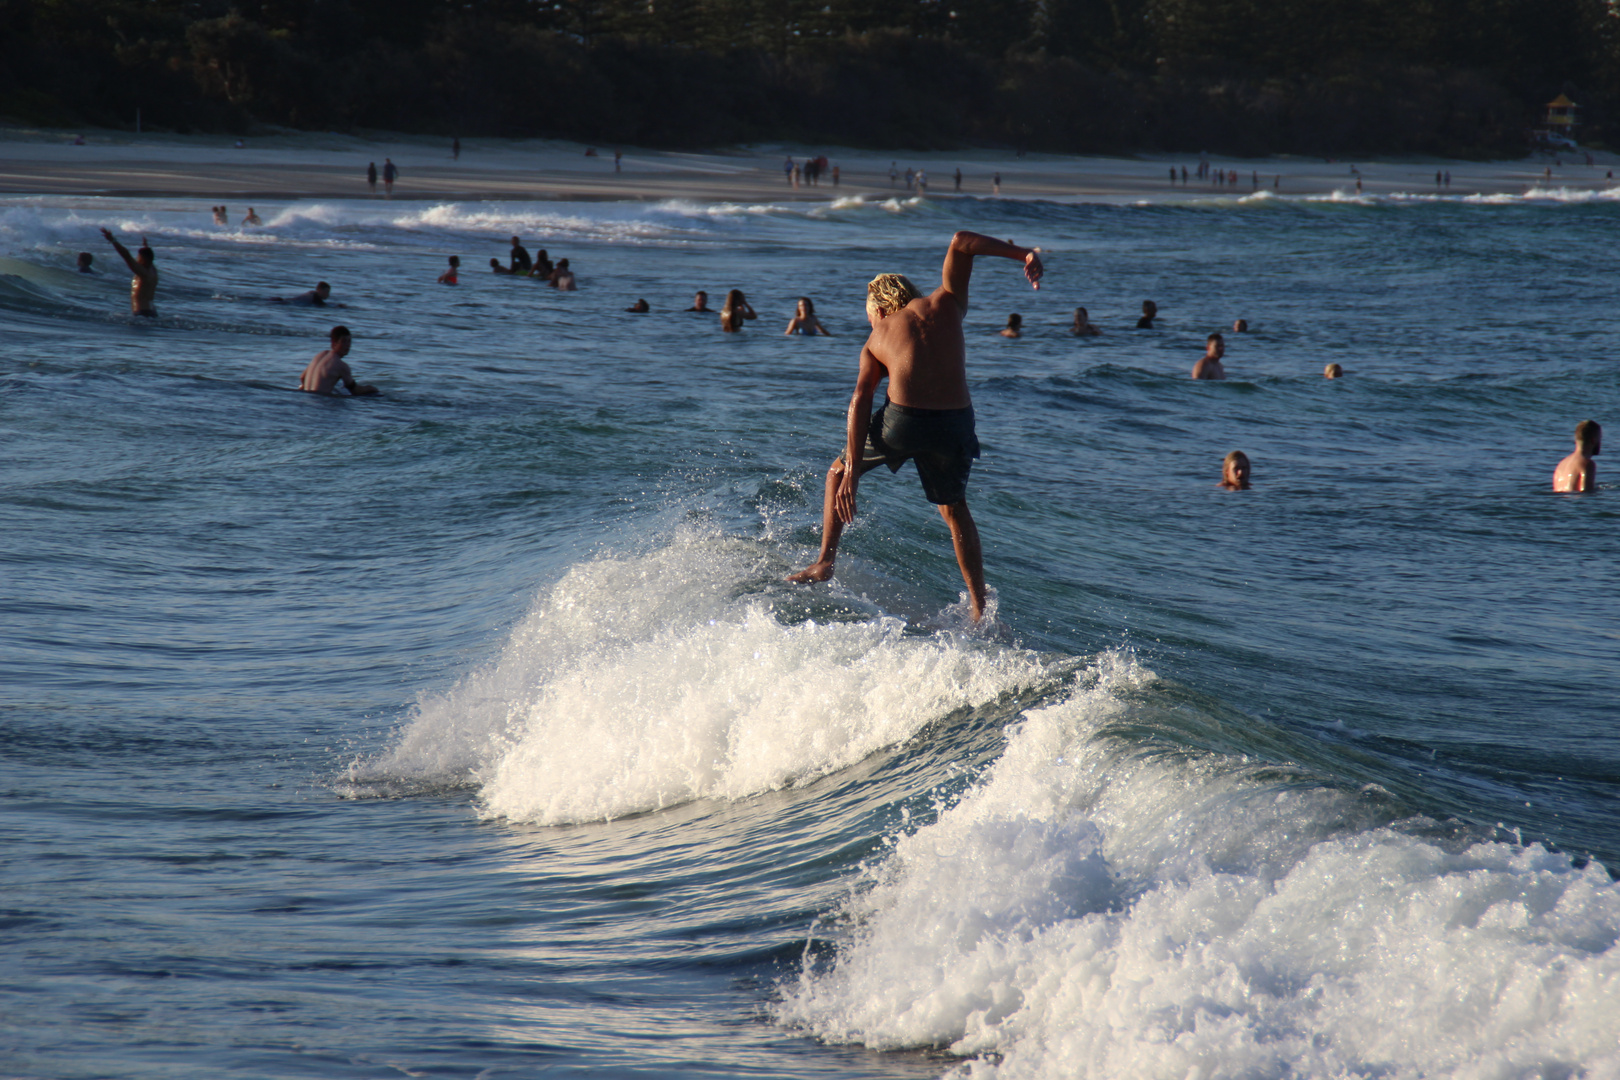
[(844, 497), (1033, 268)]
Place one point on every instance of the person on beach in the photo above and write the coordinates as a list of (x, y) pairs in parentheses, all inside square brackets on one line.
[(371, 177), (329, 368), (640, 307), (1333, 371), (390, 174), (1578, 472), (700, 302), (1150, 311), (495, 265), (995, 184), (252, 217), (315, 297), (85, 259), (918, 345), (562, 278), (1235, 471), (1081, 327), (804, 320), (736, 310), (1014, 327), (521, 263), (143, 286), (449, 276), (958, 179), (894, 172), (1209, 365)]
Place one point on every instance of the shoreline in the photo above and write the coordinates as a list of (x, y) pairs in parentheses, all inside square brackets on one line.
[(323, 165)]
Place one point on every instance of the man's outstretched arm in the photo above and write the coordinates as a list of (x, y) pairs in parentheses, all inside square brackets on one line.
[(959, 262), (129, 260)]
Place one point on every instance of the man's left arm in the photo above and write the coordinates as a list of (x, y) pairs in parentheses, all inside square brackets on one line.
[(959, 262)]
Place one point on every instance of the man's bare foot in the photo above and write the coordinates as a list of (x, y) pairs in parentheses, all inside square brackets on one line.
[(819, 571)]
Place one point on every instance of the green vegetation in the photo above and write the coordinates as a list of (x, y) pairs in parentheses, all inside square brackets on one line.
[(1459, 77)]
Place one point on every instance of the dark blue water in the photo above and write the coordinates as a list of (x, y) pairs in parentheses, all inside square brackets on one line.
[(470, 730)]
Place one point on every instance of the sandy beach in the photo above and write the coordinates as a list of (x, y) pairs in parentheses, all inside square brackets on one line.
[(318, 165)]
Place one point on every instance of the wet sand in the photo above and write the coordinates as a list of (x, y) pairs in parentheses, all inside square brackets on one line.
[(319, 165)]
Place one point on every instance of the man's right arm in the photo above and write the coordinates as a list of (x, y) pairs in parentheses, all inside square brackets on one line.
[(858, 421)]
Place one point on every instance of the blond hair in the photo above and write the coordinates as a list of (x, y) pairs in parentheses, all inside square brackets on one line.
[(888, 293)]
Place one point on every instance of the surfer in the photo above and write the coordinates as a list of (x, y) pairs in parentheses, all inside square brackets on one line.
[(328, 369), (1209, 365), (315, 297), (1235, 471), (1578, 472), (917, 344), (143, 286)]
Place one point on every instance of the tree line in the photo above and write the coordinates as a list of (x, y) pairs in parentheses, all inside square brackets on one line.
[(1456, 77)]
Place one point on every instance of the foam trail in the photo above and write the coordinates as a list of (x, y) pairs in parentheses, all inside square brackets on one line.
[(1094, 910), (641, 682)]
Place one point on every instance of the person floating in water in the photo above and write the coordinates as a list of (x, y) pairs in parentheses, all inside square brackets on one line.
[(640, 307), (143, 286), (1578, 472), (736, 310), (315, 297), (1081, 327), (700, 302), (449, 276), (1150, 311), (1235, 471), (918, 345), (495, 265), (1240, 326), (562, 278), (1333, 371), (329, 368), (521, 263), (85, 259), (1014, 327), (1209, 365), (252, 217), (804, 320)]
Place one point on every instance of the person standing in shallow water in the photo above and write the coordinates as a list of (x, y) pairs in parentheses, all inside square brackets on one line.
[(1578, 472), (143, 286), (918, 345), (329, 368)]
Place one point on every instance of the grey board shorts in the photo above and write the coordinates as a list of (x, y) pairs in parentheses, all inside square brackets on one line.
[(941, 441)]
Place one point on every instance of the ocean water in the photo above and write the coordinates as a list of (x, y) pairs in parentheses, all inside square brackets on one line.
[(470, 731)]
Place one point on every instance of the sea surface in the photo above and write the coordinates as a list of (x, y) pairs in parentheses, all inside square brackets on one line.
[(471, 730)]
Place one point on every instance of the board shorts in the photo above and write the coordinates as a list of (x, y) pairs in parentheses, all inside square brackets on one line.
[(941, 441)]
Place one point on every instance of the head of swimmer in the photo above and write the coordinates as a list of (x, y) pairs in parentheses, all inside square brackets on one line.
[(322, 289), (1589, 437), (807, 308), (1235, 471), (144, 256), (1333, 371), (1149, 308), (1082, 317), (1215, 346), (341, 340), (887, 294), (1241, 326), (85, 259), (734, 299)]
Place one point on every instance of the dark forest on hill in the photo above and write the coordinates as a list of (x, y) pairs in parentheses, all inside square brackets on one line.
[(1456, 77)]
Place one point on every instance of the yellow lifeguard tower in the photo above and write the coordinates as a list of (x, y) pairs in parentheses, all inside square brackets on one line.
[(1560, 118)]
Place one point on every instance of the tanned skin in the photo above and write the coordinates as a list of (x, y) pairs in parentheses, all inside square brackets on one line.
[(921, 350)]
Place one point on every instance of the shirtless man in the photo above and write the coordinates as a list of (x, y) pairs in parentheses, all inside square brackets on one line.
[(917, 344), (700, 302), (143, 286), (562, 278), (1209, 365), (1235, 471), (328, 369), (1578, 472)]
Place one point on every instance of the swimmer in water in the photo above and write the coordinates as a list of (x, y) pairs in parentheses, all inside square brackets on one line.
[(85, 259), (449, 276), (1014, 327), (1241, 326), (640, 307), (252, 217), (1081, 327), (700, 302), (316, 297), (1150, 311), (543, 266), (737, 309), (1209, 365), (1333, 371), (143, 286), (520, 258), (495, 265), (562, 278), (1235, 471), (804, 321), (219, 215), (328, 369), (1578, 472)]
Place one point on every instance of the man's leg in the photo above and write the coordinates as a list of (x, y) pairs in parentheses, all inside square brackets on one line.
[(969, 555), (831, 528)]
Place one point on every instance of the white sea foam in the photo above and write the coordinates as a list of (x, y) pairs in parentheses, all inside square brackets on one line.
[(642, 682), (1089, 911)]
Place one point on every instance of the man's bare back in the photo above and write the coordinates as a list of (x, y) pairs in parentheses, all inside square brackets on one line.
[(323, 373), (918, 345), (1578, 472)]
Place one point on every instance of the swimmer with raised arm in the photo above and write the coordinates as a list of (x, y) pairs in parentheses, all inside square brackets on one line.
[(804, 321), (917, 344), (1578, 472), (143, 286), (1209, 365), (736, 311), (329, 368)]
